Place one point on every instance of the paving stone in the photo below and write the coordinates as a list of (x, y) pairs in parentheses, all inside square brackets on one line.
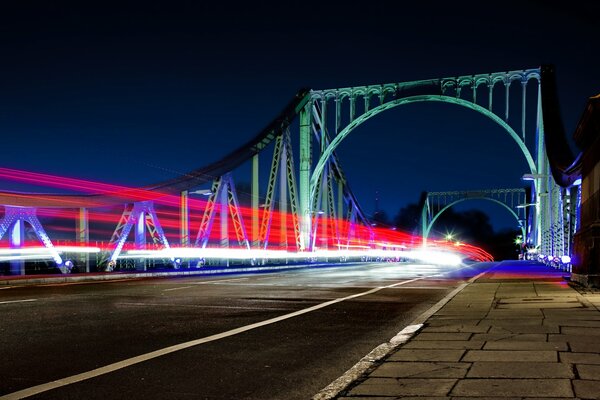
[(403, 387), (512, 314), (540, 398), (579, 330), (443, 336), (573, 322), (520, 370), (580, 358), (456, 328), (513, 387), (523, 329), (426, 355), (583, 347), (421, 370), (517, 345), (537, 300), (589, 372), (591, 315), (511, 355), (489, 398), (572, 338), (586, 389), (527, 337), (540, 305), (522, 322), (445, 344), (442, 322), (378, 398)]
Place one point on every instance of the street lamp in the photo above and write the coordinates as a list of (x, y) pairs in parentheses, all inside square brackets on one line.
[(205, 192), (533, 177), (525, 205)]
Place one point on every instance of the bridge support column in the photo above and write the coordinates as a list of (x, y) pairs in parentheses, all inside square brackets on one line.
[(255, 200), (305, 213), (83, 237), (16, 238), (224, 224), (140, 239), (184, 223)]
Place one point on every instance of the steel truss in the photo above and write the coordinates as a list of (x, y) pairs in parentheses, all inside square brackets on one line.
[(143, 216), (13, 222), (223, 191)]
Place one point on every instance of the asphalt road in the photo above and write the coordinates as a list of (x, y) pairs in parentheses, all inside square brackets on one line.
[(51, 332)]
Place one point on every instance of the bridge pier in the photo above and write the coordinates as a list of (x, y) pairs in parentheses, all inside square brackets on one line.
[(16, 239)]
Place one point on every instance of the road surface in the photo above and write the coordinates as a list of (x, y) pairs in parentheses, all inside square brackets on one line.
[(265, 336)]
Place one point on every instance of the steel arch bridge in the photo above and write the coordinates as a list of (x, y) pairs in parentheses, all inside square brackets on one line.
[(316, 207), (436, 203)]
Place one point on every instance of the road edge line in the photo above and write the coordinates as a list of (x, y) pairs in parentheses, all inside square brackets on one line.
[(383, 350)]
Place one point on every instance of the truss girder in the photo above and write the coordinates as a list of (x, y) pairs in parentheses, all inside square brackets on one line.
[(222, 188), (14, 215), (282, 162), (142, 215)]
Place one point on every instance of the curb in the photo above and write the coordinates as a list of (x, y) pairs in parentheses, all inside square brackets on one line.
[(372, 359)]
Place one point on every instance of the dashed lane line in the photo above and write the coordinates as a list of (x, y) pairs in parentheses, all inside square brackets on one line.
[(34, 390), (18, 301), (217, 281), (176, 288)]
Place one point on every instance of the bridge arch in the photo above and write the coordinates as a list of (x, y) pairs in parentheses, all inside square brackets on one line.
[(329, 150), (427, 225)]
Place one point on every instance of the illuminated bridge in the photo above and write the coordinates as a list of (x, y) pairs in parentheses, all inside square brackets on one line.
[(305, 209)]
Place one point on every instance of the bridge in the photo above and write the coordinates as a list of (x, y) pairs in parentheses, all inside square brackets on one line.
[(307, 208)]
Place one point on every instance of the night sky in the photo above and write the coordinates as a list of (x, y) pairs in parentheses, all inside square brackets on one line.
[(135, 93)]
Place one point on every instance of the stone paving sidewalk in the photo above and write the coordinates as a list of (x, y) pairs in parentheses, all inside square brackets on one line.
[(519, 331)]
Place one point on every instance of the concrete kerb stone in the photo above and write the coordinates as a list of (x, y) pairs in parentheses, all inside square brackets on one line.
[(368, 363)]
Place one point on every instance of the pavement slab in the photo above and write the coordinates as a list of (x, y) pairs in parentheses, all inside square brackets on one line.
[(403, 387), (591, 372), (426, 355), (520, 370), (443, 336), (445, 344), (421, 370), (586, 389), (456, 328), (518, 345), (580, 358), (513, 387), (583, 347), (511, 355)]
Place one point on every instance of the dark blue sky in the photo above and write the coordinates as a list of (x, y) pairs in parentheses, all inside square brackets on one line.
[(134, 93)]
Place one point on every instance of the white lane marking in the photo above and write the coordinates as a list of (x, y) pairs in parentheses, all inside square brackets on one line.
[(218, 281), (17, 301), (176, 288), (182, 346), (6, 287)]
